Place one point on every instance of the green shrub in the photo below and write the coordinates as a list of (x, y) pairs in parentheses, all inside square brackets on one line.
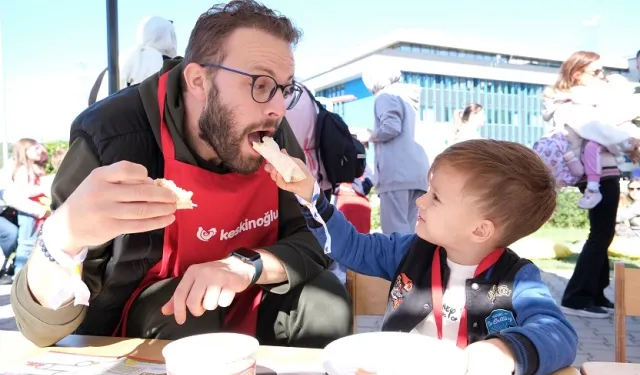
[(372, 193), (375, 217), (567, 214), (52, 147)]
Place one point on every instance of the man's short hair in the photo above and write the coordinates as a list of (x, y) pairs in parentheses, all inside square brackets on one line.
[(638, 54), (513, 186), (215, 25)]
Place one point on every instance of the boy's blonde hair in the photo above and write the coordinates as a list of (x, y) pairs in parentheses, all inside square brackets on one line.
[(513, 186)]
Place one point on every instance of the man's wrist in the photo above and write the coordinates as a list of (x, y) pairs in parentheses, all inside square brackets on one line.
[(56, 235), (252, 259)]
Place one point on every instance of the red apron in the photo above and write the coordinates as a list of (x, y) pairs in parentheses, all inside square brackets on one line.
[(233, 211), (355, 207)]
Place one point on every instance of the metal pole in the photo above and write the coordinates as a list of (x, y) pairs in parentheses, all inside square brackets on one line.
[(112, 45), (3, 118)]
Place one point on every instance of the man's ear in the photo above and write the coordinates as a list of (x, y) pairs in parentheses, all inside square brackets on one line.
[(195, 78)]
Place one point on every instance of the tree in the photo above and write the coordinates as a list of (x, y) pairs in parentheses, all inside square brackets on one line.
[(52, 147)]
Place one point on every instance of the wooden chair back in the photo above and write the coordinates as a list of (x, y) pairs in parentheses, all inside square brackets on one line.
[(627, 303)]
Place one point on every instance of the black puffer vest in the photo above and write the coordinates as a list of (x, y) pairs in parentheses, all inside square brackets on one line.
[(489, 296)]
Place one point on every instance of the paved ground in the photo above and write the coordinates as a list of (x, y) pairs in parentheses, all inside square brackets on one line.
[(596, 335)]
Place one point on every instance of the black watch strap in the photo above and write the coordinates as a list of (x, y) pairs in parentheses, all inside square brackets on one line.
[(258, 265), (250, 257)]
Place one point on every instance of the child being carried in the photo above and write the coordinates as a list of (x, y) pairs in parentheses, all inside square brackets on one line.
[(599, 120)]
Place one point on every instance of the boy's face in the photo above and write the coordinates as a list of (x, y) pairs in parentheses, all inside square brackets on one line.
[(449, 214)]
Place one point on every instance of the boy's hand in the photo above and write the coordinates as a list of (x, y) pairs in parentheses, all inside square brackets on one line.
[(489, 357), (303, 188)]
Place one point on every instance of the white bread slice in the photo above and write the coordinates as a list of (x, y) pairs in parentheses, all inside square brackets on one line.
[(184, 197), (283, 163)]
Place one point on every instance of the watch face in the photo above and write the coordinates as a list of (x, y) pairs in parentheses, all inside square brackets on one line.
[(247, 253)]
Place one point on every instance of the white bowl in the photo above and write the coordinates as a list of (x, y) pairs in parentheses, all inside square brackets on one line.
[(218, 353), (392, 353)]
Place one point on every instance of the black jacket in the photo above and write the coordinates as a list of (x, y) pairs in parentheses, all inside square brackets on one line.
[(125, 126)]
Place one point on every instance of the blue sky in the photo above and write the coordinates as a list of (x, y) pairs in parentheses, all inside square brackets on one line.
[(54, 49)]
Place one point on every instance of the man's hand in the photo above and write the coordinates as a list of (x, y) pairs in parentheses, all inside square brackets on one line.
[(112, 200), (209, 285), (303, 188), (489, 357)]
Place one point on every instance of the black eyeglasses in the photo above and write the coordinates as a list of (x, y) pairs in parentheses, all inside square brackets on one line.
[(264, 87)]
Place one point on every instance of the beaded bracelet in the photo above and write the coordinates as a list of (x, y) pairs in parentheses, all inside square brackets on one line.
[(73, 286), (43, 248)]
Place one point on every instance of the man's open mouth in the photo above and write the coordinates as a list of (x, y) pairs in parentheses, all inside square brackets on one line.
[(258, 135)]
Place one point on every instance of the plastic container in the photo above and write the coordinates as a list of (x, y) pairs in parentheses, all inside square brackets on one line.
[(214, 353), (392, 353)]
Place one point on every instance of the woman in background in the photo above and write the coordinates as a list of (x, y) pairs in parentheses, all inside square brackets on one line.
[(156, 42), (468, 122), (302, 119), (628, 218), (25, 185), (583, 70)]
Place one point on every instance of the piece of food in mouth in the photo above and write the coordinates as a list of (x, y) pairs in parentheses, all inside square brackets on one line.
[(184, 197), (283, 163)]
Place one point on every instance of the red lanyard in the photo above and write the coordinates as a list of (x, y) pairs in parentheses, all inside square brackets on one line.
[(436, 290)]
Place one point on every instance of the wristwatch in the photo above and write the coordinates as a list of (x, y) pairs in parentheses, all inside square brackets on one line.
[(250, 257)]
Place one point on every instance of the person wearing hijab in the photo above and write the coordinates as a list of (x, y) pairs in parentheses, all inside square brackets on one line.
[(401, 163), (156, 42)]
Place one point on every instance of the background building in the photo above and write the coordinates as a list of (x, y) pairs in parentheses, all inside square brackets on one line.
[(507, 81)]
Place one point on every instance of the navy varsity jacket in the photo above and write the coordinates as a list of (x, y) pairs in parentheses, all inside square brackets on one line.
[(509, 301)]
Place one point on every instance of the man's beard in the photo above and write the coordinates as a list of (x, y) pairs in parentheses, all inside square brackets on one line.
[(218, 130)]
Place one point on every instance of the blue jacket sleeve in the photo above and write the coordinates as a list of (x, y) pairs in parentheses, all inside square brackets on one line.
[(368, 254), (544, 340)]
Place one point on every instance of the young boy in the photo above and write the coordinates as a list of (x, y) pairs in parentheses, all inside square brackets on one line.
[(455, 279)]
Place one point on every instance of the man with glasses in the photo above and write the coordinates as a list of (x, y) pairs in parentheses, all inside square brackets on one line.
[(243, 260)]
